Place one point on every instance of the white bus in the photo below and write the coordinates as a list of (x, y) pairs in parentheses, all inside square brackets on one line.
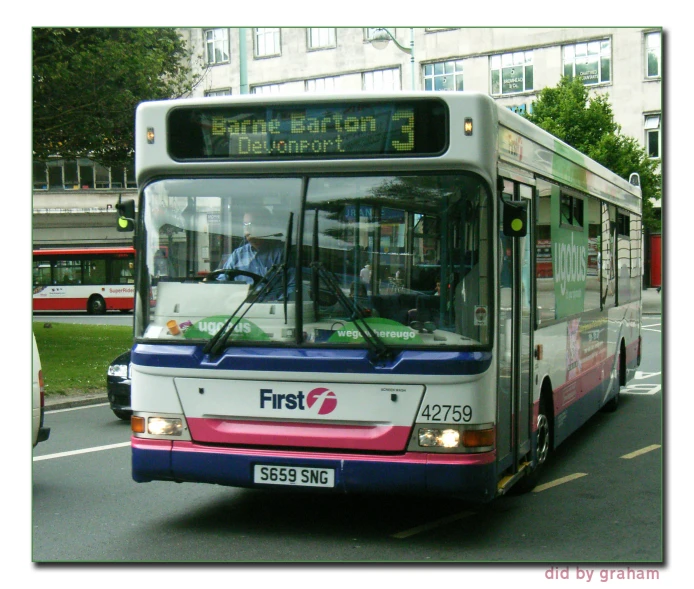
[(402, 293)]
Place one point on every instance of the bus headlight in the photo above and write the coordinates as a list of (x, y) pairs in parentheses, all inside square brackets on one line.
[(445, 438), (153, 426), (164, 426), (453, 438)]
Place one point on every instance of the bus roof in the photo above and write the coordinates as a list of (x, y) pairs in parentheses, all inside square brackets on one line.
[(78, 251), (496, 135)]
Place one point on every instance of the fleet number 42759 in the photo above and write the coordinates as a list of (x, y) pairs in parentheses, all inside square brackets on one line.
[(447, 413)]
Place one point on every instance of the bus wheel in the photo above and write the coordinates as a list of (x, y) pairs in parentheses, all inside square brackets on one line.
[(544, 441), (620, 380), (544, 447), (96, 305)]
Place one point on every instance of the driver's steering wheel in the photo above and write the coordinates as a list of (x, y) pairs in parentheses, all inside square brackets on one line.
[(230, 274)]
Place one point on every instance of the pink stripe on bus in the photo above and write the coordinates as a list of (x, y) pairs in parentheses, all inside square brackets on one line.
[(384, 438)]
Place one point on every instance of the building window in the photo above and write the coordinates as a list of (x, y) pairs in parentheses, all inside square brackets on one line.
[(445, 75), (40, 176), (589, 61), (267, 42), (653, 55), (512, 72), (218, 92), (267, 89), (81, 174), (130, 180), (55, 174), (70, 180), (323, 84), (382, 80), (86, 172), (652, 126), (117, 177), (217, 46), (103, 176), (321, 38)]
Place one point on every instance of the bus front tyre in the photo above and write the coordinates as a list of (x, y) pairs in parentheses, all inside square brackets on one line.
[(619, 381), (544, 448), (96, 305)]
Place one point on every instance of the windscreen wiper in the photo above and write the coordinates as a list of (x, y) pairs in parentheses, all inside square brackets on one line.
[(285, 264), (258, 293), (378, 348)]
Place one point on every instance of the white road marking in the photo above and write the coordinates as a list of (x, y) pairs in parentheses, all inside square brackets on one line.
[(76, 408), (641, 375), (641, 389), (83, 451)]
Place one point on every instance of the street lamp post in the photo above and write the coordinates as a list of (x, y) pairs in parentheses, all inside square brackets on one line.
[(380, 40)]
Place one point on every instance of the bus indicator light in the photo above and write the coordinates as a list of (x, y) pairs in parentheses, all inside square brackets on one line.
[(478, 438), (468, 127), (137, 424)]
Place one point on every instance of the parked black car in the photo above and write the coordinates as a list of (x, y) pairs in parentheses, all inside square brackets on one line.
[(118, 386)]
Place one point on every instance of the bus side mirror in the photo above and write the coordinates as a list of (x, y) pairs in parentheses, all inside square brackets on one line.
[(126, 215), (515, 218)]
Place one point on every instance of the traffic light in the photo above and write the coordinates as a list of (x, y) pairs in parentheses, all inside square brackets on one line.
[(126, 215)]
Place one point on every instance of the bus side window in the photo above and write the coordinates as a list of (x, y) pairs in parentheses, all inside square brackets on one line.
[(42, 273), (121, 272), (94, 271), (68, 272)]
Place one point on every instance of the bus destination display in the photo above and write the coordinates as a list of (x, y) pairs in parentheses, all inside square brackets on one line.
[(317, 130)]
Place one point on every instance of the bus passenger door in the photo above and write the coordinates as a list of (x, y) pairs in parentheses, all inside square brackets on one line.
[(514, 337)]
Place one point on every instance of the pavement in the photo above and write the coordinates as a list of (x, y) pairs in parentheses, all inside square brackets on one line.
[(652, 302), (55, 402)]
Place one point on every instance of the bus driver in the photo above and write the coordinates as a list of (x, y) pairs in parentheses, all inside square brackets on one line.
[(260, 250)]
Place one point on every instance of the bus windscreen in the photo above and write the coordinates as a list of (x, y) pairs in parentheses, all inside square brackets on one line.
[(387, 128)]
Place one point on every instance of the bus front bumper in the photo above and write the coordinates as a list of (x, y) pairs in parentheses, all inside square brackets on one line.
[(471, 477)]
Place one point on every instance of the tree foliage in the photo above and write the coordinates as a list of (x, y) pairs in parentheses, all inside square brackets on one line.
[(587, 123), (88, 82)]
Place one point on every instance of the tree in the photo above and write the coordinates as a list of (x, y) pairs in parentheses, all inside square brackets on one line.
[(587, 123), (88, 82)]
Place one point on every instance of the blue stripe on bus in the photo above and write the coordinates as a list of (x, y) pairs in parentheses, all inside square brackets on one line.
[(473, 483), (339, 361)]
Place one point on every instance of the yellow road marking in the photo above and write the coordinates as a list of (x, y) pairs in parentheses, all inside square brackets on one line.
[(439, 522), (560, 481), (642, 451)]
